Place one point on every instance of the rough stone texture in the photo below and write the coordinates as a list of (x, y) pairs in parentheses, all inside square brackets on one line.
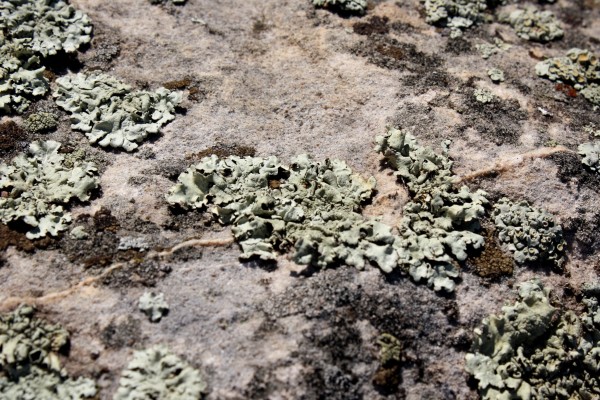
[(279, 77)]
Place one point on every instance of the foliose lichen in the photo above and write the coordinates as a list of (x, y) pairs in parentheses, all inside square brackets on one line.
[(487, 49), (496, 75), (29, 349), (41, 122), (439, 223), (44, 27), (110, 113), (483, 95), (528, 233), (591, 155), (32, 30), (579, 68), (153, 305), (533, 24), (458, 15), (37, 183), (534, 351), (157, 374), (344, 6)]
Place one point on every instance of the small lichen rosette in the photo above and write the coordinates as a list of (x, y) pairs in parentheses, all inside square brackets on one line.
[(110, 113), (347, 6), (37, 184), (534, 351), (155, 373), (591, 155), (533, 24), (528, 233), (458, 15)]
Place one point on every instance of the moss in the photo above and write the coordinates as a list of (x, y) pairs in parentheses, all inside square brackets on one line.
[(374, 26), (492, 262), (11, 136)]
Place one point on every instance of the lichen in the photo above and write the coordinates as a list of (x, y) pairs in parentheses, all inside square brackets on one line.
[(343, 6), (36, 185), (487, 49), (29, 360), (41, 122), (439, 223), (533, 24), (483, 96), (591, 155), (535, 351), (458, 15), (110, 113), (153, 305), (44, 27), (579, 68), (496, 75), (529, 234), (157, 374)]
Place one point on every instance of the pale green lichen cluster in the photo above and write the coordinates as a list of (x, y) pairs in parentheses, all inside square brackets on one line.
[(157, 374), (579, 68), (529, 234), (309, 206), (458, 15), (41, 122), (533, 24), (29, 349), (591, 155), (153, 305), (439, 223), (110, 113), (344, 6), (38, 183), (534, 351), (496, 75), (32, 30), (487, 49), (483, 96)]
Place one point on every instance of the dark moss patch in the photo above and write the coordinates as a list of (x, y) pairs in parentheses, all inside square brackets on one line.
[(223, 150), (105, 48), (374, 26), (12, 137), (458, 46), (125, 333), (105, 221), (389, 53), (179, 84), (491, 262), (138, 272), (570, 167)]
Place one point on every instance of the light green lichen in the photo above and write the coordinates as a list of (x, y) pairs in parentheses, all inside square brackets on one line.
[(591, 155), (29, 349), (529, 234), (534, 351), (344, 6), (487, 49), (439, 223), (157, 374), (458, 15), (579, 68), (483, 96), (38, 182), (78, 233), (153, 305), (496, 75), (44, 27), (533, 24), (110, 113), (41, 122)]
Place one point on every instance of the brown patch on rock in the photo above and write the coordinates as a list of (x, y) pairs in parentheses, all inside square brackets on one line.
[(180, 84), (11, 135), (223, 150), (124, 333), (492, 262), (375, 26), (104, 220)]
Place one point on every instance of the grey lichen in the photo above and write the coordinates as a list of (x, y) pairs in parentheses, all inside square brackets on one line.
[(458, 15), (579, 68), (41, 122), (37, 183), (496, 75), (533, 24), (110, 113), (44, 27), (439, 223), (78, 233), (483, 96), (534, 351), (591, 155), (157, 374), (487, 49), (528, 233), (153, 305), (29, 350), (344, 6)]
